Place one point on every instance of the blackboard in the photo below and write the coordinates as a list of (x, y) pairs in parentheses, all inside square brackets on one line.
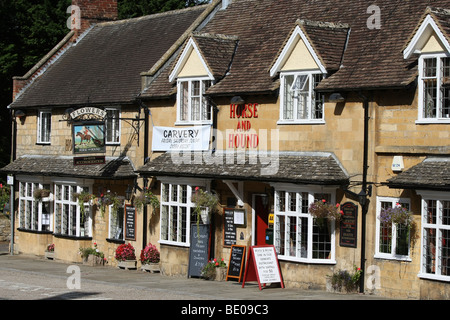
[(229, 228), (199, 249), (348, 225), (130, 223), (236, 262)]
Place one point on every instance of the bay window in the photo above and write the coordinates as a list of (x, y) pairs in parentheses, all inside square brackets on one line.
[(70, 218), (435, 255), (297, 235), (34, 208)]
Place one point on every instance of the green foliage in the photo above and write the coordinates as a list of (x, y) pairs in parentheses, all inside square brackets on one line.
[(137, 8)]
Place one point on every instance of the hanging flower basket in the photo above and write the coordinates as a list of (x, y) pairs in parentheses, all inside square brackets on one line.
[(205, 203), (400, 216), (39, 194), (146, 198), (323, 212)]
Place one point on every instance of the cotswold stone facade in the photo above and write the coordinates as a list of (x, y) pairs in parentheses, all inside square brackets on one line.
[(297, 102)]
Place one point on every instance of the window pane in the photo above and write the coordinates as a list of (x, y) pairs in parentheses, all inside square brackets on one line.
[(321, 241), (402, 243), (429, 250), (164, 222), (302, 96), (445, 212), (445, 252), (430, 213), (318, 98), (280, 234), (429, 67), (288, 108), (184, 101)]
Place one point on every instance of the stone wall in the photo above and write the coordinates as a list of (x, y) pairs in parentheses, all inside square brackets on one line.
[(5, 228)]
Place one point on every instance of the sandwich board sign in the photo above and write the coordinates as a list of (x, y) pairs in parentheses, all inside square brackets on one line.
[(262, 266)]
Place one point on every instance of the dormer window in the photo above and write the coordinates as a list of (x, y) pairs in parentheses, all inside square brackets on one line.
[(299, 101), (193, 106), (434, 88)]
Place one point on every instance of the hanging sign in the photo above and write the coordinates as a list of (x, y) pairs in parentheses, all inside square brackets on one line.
[(88, 111), (181, 139), (236, 262), (348, 225), (89, 137), (262, 266), (130, 223), (199, 249)]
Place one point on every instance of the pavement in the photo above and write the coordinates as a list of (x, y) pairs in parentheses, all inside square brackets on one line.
[(195, 288)]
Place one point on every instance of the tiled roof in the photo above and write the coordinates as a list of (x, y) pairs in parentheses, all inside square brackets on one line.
[(311, 168), (114, 168), (372, 58), (432, 173), (105, 65)]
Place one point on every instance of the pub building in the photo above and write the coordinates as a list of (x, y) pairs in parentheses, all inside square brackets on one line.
[(272, 106), (79, 131)]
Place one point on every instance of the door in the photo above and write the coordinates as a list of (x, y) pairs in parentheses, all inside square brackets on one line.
[(262, 219)]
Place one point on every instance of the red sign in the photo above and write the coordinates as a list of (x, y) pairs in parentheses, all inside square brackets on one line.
[(243, 138)]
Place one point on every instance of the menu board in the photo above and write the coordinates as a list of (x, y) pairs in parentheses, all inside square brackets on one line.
[(199, 250), (229, 228), (348, 225), (236, 262), (130, 223)]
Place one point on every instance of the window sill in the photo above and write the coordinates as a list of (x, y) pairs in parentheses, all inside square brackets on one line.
[(34, 231), (433, 121), (193, 123), (64, 236), (302, 122), (117, 241), (176, 244), (433, 277), (393, 257), (43, 143), (306, 261)]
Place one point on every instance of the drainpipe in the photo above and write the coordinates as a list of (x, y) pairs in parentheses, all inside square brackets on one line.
[(363, 194), (142, 106)]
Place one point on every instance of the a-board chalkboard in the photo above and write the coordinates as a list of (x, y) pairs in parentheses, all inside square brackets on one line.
[(236, 262), (130, 222), (229, 228), (199, 249)]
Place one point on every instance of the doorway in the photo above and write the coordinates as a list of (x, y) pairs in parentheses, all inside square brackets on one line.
[(260, 218)]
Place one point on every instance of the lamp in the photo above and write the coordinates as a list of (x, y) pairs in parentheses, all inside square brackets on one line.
[(237, 100), (336, 97), (67, 113), (20, 115), (128, 193)]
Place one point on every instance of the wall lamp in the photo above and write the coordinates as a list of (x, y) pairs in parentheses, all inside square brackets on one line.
[(336, 97), (237, 100), (129, 193), (67, 113), (20, 115)]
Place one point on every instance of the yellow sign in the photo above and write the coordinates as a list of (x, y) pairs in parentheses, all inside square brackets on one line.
[(270, 218)]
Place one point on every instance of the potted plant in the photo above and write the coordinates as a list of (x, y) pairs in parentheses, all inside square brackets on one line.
[(150, 258), (92, 256), (323, 212), (107, 199), (205, 202), (40, 193), (146, 198), (344, 281), (83, 197), (50, 251), (125, 256), (215, 270), (401, 217)]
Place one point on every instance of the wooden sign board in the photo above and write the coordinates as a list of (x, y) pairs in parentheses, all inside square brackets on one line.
[(130, 222), (229, 228), (348, 225), (262, 266), (199, 249), (236, 262)]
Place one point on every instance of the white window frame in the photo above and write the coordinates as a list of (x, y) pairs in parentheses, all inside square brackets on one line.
[(116, 126), (189, 120), (34, 211), (392, 255), (439, 227), (112, 233), (421, 117), (61, 201), (165, 222), (310, 103), (299, 255), (44, 123)]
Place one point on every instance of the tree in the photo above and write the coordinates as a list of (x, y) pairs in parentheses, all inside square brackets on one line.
[(137, 8)]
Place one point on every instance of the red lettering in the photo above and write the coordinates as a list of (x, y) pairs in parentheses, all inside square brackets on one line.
[(232, 111), (255, 110)]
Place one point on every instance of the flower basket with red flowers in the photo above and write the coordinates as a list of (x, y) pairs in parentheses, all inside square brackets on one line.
[(126, 257), (150, 258), (215, 270), (323, 211)]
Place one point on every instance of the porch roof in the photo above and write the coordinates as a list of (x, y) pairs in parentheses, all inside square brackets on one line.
[(317, 168), (59, 166)]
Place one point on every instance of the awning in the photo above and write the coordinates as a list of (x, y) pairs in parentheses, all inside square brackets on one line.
[(317, 168), (59, 166), (430, 174)]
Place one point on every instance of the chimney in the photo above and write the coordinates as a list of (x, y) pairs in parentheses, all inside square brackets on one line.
[(86, 13), (226, 3)]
